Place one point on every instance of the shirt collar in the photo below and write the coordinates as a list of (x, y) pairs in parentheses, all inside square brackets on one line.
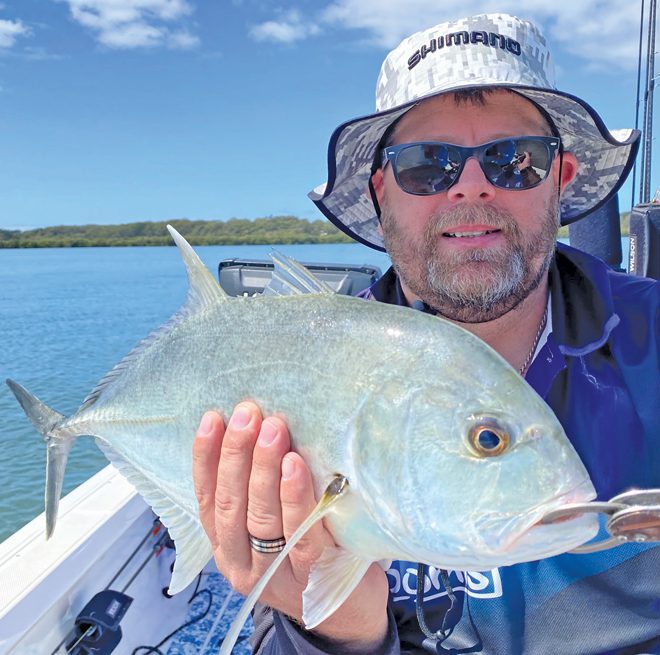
[(583, 314), (582, 306)]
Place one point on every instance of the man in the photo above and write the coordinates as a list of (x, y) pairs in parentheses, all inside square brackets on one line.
[(430, 178)]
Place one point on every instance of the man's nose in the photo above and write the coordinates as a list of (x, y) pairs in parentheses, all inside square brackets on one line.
[(471, 185)]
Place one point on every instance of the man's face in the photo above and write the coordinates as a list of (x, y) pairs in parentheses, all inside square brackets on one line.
[(475, 251)]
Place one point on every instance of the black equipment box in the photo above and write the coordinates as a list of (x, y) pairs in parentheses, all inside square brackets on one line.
[(644, 258), (240, 277)]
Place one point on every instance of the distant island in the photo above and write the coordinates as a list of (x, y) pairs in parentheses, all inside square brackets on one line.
[(235, 231)]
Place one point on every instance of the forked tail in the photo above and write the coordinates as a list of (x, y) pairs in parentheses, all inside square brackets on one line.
[(58, 445)]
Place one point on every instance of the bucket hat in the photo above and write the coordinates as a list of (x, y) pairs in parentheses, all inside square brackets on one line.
[(485, 51)]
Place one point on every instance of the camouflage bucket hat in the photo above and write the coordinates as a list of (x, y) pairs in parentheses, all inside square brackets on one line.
[(491, 50)]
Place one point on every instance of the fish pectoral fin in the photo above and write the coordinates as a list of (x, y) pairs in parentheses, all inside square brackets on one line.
[(333, 492), (332, 578)]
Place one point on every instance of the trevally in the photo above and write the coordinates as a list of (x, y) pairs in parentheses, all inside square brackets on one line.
[(450, 458)]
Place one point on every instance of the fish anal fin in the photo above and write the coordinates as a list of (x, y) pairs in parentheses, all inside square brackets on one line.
[(331, 580), (193, 548)]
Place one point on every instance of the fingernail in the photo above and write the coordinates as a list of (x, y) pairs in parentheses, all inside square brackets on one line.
[(268, 433), (288, 468), (206, 425), (240, 418)]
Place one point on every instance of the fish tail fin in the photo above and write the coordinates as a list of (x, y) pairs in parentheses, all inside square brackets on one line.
[(46, 420)]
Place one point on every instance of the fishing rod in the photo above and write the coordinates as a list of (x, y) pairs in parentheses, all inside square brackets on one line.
[(647, 144), (637, 97), (644, 226)]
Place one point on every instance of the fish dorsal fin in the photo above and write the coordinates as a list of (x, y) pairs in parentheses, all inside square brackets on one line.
[(203, 289), (332, 578), (334, 491), (291, 278)]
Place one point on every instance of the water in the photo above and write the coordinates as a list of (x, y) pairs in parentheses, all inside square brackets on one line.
[(66, 317)]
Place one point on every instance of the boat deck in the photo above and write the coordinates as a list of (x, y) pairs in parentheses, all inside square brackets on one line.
[(203, 637)]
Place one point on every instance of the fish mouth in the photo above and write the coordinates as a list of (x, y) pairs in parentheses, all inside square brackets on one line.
[(546, 540), (503, 534)]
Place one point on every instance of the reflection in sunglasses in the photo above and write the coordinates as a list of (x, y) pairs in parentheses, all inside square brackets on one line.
[(427, 168)]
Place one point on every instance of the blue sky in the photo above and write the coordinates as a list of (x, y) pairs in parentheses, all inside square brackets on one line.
[(122, 110)]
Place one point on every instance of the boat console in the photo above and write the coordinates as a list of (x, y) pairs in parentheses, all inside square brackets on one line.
[(240, 277)]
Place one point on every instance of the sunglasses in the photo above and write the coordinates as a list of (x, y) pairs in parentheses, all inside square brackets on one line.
[(429, 167)]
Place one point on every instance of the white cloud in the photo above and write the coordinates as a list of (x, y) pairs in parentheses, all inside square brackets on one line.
[(129, 24), (182, 40), (289, 28), (10, 30), (602, 32)]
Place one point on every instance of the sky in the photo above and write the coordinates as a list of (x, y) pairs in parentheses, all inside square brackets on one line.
[(114, 111)]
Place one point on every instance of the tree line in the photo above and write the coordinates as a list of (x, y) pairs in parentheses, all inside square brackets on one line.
[(236, 231)]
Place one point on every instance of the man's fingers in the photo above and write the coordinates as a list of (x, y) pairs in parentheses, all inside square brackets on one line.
[(264, 514), (298, 501), (232, 485), (205, 458)]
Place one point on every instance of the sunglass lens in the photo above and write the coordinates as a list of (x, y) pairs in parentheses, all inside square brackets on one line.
[(425, 169), (516, 163)]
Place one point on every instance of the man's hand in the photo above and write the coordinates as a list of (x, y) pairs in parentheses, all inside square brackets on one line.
[(248, 481)]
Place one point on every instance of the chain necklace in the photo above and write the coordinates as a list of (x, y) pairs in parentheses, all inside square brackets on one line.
[(528, 359)]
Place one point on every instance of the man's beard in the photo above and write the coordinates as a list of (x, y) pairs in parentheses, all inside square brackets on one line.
[(477, 284)]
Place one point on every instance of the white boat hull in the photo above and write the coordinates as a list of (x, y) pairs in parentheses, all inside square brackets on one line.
[(45, 584)]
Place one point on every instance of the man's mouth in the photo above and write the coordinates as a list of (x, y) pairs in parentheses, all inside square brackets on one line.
[(471, 234)]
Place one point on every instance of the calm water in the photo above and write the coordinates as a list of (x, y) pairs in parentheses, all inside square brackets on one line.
[(67, 316)]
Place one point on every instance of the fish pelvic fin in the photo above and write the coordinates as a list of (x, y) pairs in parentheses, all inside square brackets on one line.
[(332, 578), (291, 278), (46, 420), (203, 289), (332, 494)]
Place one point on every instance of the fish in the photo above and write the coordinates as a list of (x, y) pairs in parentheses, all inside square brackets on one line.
[(424, 444)]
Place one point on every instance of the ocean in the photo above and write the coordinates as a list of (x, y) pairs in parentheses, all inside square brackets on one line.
[(67, 315)]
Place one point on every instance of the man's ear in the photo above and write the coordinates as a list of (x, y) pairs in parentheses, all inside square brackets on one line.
[(377, 184), (569, 169)]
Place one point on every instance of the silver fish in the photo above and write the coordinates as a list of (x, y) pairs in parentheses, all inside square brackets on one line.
[(451, 458)]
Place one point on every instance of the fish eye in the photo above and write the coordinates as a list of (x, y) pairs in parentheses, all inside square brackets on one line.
[(488, 439)]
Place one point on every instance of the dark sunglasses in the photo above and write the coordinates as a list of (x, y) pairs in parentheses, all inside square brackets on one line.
[(516, 163)]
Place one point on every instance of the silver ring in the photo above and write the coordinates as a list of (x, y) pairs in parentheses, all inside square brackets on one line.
[(267, 545)]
